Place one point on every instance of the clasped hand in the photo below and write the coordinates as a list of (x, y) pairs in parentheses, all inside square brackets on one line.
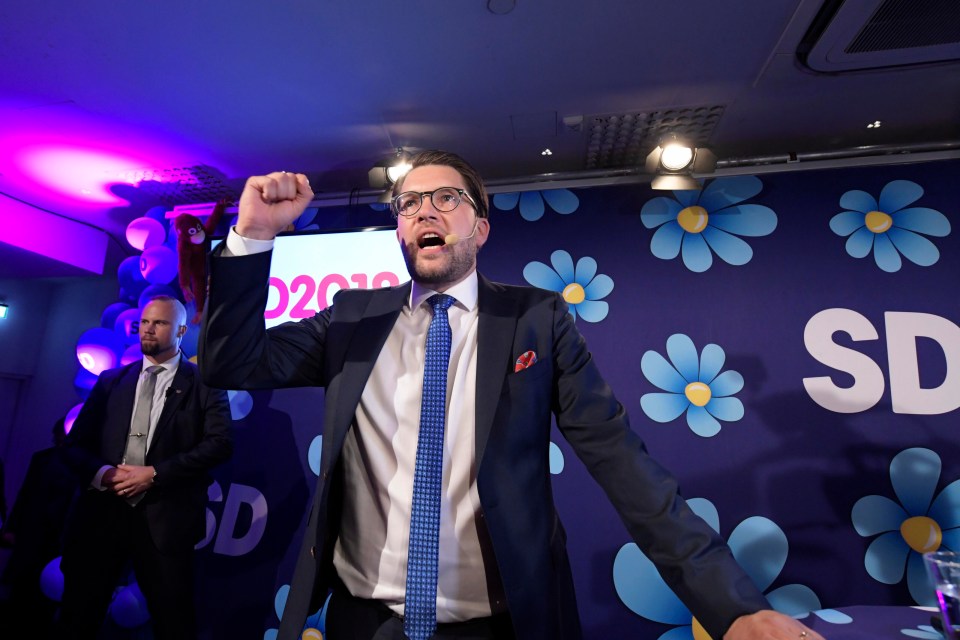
[(128, 480)]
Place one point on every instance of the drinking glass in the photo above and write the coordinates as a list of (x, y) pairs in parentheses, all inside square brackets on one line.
[(943, 567)]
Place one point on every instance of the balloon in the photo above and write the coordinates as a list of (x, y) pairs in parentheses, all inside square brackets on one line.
[(51, 580), (109, 316), (71, 417), (132, 354), (158, 265), (155, 290), (99, 349), (130, 278), (129, 607), (143, 233), (83, 382), (127, 326), (158, 213)]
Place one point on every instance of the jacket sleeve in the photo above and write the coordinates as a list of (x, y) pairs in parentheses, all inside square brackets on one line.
[(214, 446), (692, 558), (82, 446), (235, 349)]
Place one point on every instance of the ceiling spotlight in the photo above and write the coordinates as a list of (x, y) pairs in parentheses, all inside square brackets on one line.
[(546, 152), (874, 125), (389, 170), (3, 310), (675, 161)]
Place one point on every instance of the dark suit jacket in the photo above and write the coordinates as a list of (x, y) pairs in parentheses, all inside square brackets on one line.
[(191, 437), (337, 349)]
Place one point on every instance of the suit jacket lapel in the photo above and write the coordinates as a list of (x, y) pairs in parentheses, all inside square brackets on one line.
[(366, 342), (497, 313), (176, 394), (125, 393)]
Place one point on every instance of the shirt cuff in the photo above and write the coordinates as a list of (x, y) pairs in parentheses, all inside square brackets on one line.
[(97, 482), (237, 245)]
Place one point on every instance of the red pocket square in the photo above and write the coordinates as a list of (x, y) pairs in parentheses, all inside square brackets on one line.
[(527, 359)]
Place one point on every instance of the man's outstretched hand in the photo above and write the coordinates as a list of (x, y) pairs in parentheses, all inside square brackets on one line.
[(769, 625)]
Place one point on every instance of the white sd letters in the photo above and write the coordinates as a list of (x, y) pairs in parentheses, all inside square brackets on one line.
[(228, 543), (902, 331)]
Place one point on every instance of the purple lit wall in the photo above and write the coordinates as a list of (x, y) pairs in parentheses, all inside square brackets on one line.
[(58, 158)]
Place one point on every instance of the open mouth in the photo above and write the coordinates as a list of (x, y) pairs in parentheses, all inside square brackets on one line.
[(430, 240)]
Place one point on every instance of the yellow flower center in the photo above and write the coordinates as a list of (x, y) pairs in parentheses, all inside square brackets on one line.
[(698, 393), (699, 633), (921, 533), (573, 293), (878, 221), (693, 219)]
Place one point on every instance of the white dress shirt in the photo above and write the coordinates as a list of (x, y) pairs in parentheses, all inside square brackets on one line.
[(379, 455), (164, 380)]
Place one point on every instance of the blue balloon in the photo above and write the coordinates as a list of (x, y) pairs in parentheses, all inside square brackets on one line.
[(71, 417), (155, 290), (109, 316), (158, 265), (129, 607), (130, 277), (158, 213), (99, 349), (83, 382), (143, 233), (51, 580), (132, 354), (127, 326)]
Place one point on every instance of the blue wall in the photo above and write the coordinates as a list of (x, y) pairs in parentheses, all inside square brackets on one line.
[(782, 470)]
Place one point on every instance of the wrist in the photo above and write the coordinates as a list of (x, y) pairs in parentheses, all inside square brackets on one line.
[(251, 232)]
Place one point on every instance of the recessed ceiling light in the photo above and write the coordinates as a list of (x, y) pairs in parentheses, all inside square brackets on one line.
[(874, 125), (546, 152)]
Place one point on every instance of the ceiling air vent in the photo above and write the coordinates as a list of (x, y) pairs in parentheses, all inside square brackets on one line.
[(855, 35), (624, 139)]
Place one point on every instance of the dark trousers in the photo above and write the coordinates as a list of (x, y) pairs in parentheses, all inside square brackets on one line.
[(352, 618), (106, 537)]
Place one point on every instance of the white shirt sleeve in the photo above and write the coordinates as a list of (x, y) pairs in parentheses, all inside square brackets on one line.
[(237, 245), (97, 482)]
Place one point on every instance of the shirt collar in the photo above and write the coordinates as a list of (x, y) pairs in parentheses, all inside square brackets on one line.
[(170, 365), (465, 293)]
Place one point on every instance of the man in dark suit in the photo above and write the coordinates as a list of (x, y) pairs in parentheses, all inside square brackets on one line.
[(142, 448), (514, 357)]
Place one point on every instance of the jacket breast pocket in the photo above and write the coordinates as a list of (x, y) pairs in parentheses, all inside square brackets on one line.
[(534, 374)]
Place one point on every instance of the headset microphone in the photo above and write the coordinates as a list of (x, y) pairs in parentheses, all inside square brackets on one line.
[(452, 238)]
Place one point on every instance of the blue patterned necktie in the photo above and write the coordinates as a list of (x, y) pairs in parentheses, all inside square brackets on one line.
[(420, 603)]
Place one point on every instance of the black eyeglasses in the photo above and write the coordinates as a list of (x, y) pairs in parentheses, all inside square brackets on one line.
[(444, 199)]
